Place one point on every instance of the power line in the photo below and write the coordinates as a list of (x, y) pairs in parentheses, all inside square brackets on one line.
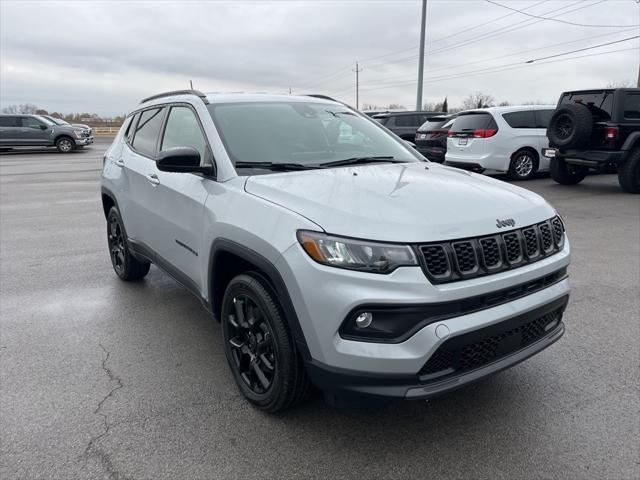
[(497, 69), (583, 49), (484, 60), (557, 19)]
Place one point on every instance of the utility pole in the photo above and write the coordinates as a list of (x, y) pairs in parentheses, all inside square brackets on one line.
[(357, 70), (421, 58), (191, 83), (638, 85)]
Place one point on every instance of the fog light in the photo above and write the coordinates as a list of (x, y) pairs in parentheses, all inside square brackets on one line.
[(364, 320)]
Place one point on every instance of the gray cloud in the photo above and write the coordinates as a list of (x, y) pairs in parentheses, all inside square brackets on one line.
[(105, 56)]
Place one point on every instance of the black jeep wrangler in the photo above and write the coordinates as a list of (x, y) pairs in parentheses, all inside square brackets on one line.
[(596, 130)]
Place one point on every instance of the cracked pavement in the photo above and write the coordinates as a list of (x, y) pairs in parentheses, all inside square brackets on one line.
[(111, 380)]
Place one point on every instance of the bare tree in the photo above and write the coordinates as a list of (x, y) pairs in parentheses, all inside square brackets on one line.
[(27, 108), (478, 100), (396, 106), (620, 84), (504, 103)]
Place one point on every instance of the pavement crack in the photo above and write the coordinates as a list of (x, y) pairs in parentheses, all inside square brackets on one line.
[(92, 449)]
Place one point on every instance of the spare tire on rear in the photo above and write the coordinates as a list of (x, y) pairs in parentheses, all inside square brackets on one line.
[(570, 126)]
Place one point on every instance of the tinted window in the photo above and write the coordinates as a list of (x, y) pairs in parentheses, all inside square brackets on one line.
[(183, 130), (632, 106), (600, 103), (432, 124), (30, 122), (131, 128), (147, 131), (408, 120), (8, 122), (543, 117), (382, 120), (525, 119), (473, 121)]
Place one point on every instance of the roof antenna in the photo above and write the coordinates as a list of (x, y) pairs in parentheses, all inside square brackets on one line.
[(191, 83)]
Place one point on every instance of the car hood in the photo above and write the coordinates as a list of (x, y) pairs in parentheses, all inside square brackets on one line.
[(409, 202)]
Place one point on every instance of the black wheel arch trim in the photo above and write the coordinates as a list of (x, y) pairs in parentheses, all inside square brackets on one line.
[(271, 276), (632, 141)]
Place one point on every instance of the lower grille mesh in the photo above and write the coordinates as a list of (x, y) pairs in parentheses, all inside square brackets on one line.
[(457, 357)]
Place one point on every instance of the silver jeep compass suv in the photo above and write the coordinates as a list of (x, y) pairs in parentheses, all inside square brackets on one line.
[(331, 252)]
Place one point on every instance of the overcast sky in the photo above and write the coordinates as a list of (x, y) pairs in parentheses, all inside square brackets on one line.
[(104, 56)]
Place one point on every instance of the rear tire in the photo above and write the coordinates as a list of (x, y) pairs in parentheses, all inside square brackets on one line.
[(259, 347), (65, 145), (126, 266), (566, 174), (629, 172), (523, 166)]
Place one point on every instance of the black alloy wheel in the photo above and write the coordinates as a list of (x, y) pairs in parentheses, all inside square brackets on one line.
[(259, 346), (251, 343), (126, 266)]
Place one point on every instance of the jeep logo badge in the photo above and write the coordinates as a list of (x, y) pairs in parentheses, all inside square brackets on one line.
[(507, 222)]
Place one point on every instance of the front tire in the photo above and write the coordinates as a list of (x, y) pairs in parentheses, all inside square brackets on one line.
[(65, 145), (524, 165), (629, 172), (259, 347), (566, 174), (126, 266)]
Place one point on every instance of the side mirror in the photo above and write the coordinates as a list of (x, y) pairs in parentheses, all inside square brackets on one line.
[(43, 127), (181, 160)]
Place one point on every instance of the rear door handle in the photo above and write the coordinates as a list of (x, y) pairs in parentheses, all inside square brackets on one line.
[(153, 179)]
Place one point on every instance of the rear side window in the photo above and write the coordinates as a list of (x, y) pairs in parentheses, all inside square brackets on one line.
[(632, 106), (8, 122), (147, 131), (183, 130), (543, 117), (382, 120), (524, 119), (473, 121), (407, 120), (431, 125)]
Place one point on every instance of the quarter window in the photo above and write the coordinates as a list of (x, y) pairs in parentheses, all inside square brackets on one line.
[(543, 117), (407, 120), (183, 130), (632, 106), (147, 131), (524, 119)]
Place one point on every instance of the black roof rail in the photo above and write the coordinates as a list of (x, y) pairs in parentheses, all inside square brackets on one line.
[(198, 93), (324, 97)]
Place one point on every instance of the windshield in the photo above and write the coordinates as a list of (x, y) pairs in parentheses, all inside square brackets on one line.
[(307, 134), (45, 120), (57, 121)]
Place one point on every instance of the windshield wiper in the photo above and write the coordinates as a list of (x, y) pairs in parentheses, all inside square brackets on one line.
[(275, 166), (360, 160)]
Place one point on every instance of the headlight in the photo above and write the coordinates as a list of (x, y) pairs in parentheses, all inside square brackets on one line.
[(78, 133), (354, 254)]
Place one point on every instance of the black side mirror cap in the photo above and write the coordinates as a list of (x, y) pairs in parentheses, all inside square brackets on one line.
[(43, 127), (181, 160)]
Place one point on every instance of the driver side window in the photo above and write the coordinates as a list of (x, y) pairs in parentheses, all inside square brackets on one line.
[(183, 130), (30, 122)]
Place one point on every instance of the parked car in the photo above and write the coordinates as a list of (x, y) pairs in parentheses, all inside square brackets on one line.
[(596, 130), (60, 121), (404, 124), (324, 255), (431, 137), (37, 131), (504, 139)]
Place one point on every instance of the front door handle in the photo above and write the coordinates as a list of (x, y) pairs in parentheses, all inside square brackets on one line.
[(118, 163), (153, 179)]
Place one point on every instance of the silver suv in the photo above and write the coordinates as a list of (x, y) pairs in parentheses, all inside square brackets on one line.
[(331, 252)]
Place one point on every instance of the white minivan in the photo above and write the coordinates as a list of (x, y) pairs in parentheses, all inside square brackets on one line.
[(504, 139)]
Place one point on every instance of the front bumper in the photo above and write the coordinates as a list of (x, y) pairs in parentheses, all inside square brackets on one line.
[(83, 141), (342, 385)]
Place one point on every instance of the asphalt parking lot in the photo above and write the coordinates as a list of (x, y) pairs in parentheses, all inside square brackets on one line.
[(105, 379)]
